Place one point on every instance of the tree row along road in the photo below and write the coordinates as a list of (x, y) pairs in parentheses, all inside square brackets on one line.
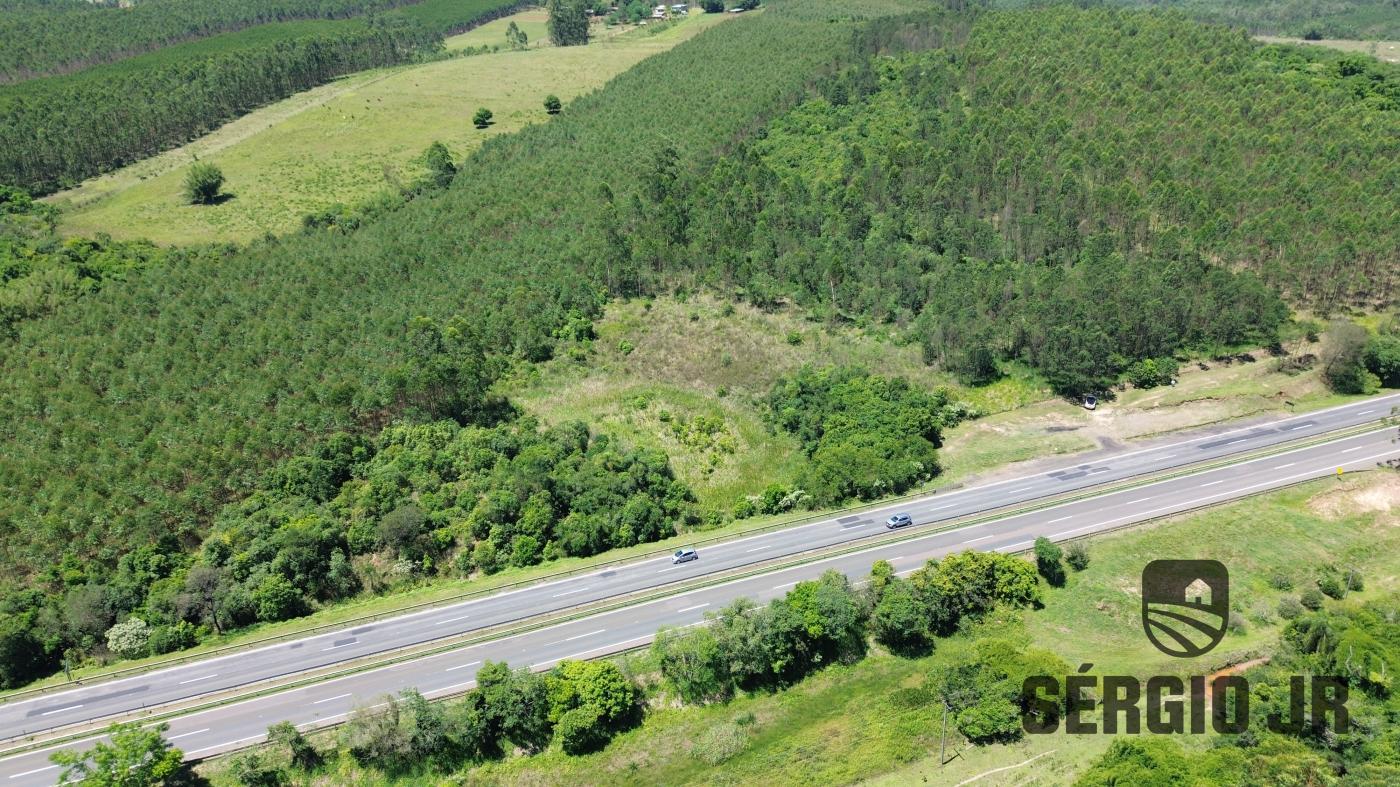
[(229, 726)]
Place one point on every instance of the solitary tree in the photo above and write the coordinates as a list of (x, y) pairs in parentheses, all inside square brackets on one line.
[(1047, 561), (1343, 358), (438, 162), (202, 183), (136, 756), (516, 37), (552, 104), (568, 22), (1077, 556), (482, 118)]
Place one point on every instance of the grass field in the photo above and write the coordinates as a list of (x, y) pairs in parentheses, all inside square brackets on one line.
[(345, 141), (845, 724), (1382, 50), (532, 21)]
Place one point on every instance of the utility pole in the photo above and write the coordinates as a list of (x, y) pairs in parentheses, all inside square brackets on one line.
[(943, 739)]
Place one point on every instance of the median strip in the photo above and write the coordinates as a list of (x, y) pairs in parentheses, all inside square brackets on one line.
[(420, 650)]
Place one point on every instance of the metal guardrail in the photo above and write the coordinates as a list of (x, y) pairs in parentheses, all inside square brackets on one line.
[(781, 524), (778, 562), (313, 630)]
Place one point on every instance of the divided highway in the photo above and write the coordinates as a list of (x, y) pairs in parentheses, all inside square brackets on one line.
[(230, 726)]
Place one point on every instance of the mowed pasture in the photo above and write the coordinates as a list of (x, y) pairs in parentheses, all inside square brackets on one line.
[(344, 142), (1388, 51), (533, 22)]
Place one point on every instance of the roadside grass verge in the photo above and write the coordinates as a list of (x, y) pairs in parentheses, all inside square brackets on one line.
[(851, 723)]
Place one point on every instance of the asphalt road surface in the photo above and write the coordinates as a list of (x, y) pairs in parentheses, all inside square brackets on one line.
[(231, 726)]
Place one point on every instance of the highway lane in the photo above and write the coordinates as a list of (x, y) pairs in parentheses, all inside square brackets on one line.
[(209, 732), (193, 679)]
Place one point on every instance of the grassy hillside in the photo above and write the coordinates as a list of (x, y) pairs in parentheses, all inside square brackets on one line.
[(60, 129), (348, 140), (679, 360), (851, 724)]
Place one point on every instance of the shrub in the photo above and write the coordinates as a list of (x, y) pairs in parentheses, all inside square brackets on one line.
[(581, 730), (1152, 372), (177, 636), (1332, 586), (899, 621), (202, 183), (1343, 359), (251, 769), (482, 118), (1353, 580), (438, 161), (1280, 581), (552, 104), (1289, 608), (1077, 555), (485, 557), (276, 599), (129, 639), (300, 753), (1312, 599), (1236, 623)]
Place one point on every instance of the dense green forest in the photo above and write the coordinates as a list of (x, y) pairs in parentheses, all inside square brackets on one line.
[(1370, 19), (43, 37), (1068, 207), (879, 166), (59, 130), (40, 271), (138, 417)]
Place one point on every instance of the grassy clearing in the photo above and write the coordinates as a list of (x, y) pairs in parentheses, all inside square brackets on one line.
[(843, 725), (657, 363), (704, 358), (1388, 51), (347, 140), (532, 21)]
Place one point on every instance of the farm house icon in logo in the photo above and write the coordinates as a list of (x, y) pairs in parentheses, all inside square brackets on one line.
[(1185, 605)]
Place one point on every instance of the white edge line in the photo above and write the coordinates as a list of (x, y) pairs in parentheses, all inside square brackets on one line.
[(712, 587), (533, 587)]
